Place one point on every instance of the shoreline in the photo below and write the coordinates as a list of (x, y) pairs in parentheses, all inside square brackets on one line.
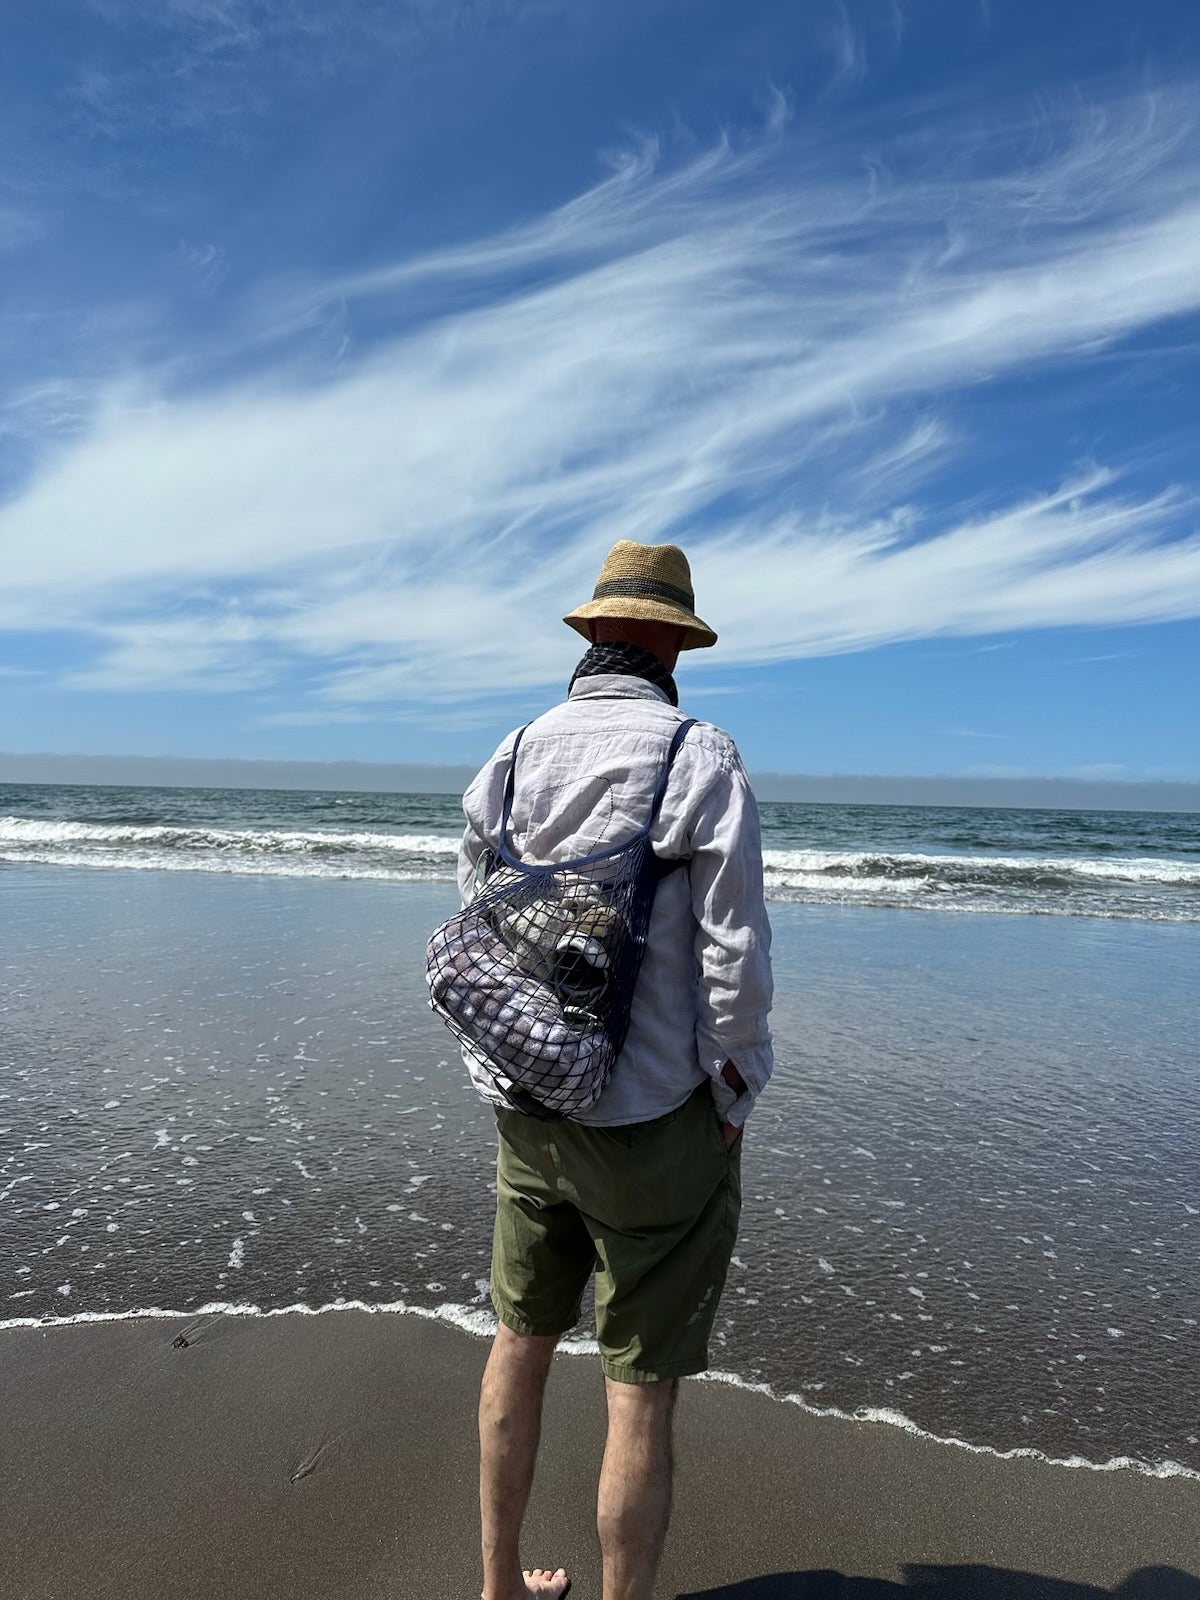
[(479, 1323), (312, 1455)]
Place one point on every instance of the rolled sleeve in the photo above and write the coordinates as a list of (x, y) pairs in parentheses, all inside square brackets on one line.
[(733, 939)]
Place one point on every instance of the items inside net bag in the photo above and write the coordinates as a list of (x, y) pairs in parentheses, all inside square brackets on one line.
[(529, 974)]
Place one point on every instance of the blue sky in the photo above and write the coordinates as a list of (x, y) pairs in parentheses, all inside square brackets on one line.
[(343, 337)]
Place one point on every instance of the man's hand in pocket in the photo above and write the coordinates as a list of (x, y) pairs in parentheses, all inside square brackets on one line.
[(730, 1130)]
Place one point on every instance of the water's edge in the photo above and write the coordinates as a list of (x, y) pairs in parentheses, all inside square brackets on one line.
[(481, 1324)]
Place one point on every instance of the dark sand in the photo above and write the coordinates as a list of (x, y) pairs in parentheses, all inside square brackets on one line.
[(334, 1456)]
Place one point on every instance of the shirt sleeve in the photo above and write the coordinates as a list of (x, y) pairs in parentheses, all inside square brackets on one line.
[(482, 805), (733, 939), (469, 851)]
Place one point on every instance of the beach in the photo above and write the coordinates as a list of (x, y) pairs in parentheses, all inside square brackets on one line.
[(959, 1334), (628, 466), (302, 1457)]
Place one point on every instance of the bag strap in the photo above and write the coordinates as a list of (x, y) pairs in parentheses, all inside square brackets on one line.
[(659, 794), (506, 813), (664, 777)]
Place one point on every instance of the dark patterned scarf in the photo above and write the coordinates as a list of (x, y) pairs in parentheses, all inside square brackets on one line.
[(631, 661)]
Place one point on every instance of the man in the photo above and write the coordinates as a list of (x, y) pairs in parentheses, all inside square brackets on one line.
[(644, 1187)]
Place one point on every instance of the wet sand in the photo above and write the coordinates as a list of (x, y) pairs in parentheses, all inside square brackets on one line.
[(310, 1457)]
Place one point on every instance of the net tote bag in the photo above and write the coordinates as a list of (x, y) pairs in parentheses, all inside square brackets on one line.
[(535, 976)]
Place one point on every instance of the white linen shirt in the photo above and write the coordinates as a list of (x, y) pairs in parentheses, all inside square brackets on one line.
[(585, 779)]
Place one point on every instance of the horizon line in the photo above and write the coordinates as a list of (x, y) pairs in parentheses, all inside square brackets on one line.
[(1040, 791)]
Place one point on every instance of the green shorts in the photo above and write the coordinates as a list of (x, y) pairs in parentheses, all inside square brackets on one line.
[(651, 1207)]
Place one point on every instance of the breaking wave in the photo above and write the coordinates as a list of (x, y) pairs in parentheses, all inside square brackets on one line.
[(1156, 888)]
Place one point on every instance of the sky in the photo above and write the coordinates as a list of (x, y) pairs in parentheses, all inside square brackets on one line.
[(340, 339)]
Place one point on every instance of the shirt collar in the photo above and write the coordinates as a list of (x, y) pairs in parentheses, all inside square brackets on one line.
[(616, 686)]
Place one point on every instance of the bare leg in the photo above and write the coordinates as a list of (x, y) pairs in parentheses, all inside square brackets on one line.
[(510, 1422), (635, 1485)]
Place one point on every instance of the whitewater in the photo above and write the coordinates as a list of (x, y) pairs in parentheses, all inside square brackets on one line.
[(1141, 866)]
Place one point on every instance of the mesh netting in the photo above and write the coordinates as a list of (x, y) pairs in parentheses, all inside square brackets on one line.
[(536, 975)]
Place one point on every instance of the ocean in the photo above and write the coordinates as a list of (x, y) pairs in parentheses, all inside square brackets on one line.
[(972, 1189), (1139, 865)]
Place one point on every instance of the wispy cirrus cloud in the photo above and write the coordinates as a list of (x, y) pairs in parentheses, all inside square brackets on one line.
[(196, 66), (766, 352)]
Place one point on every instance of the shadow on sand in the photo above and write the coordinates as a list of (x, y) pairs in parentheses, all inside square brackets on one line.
[(953, 1583)]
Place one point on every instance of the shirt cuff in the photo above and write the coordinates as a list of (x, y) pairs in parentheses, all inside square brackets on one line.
[(739, 1106), (754, 1063)]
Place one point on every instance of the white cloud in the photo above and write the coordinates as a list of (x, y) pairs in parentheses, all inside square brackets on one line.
[(210, 67), (752, 353), (848, 50), (206, 264)]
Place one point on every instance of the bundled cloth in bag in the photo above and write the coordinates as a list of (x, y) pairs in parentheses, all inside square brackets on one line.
[(535, 977)]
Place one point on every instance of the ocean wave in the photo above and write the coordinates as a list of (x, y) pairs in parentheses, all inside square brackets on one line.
[(1155, 888), (1140, 888), (855, 868), (799, 867), (26, 832), (231, 866), (479, 1323)]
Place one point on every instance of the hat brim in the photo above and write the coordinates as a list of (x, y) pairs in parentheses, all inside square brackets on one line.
[(699, 636)]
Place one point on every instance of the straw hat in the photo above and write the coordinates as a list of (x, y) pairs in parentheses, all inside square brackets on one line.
[(645, 583)]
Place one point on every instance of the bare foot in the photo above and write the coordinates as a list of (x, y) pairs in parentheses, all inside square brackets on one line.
[(542, 1584)]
